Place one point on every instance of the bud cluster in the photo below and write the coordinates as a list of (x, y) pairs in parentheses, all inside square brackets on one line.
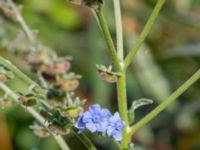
[(59, 84), (58, 104)]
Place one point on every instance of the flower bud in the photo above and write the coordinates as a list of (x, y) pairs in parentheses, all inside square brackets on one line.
[(95, 4)]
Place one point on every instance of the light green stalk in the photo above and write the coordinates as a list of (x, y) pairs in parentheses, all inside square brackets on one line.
[(144, 33), (117, 58), (119, 30), (121, 83), (108, 38)]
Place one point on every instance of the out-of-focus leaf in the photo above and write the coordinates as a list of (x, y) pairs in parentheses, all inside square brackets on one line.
[(65, 16), (146, 135), (187, 50), (38, 5), (58, 12), (149, 74), (186, 119), (150, 2), (194, 2), (101, 91)]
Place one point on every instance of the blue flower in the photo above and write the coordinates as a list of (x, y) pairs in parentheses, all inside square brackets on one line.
[(101, 120), (95, 119), (115, 126)]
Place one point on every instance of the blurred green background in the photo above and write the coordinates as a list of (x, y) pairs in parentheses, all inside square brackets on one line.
[(170, 55)]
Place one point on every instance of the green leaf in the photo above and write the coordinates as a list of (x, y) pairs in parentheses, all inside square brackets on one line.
[(135, 105), (141, 102)]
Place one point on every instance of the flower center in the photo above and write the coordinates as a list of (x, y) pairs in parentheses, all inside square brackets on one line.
[(96, 118)]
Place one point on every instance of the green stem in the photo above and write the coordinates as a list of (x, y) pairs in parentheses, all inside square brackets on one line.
[(144, 33), (85, 140), (108, 38), (20, 74), (119, 30), (37, 116), (121, 83), (168, 101), (122, 104)]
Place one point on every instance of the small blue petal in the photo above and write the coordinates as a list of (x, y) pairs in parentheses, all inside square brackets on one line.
[(99, 127), (91, 127), (116, 117), (79, 124), (110, 130), (104, 126), (87, 116), (105, 113), (117, 136), (95, 108)]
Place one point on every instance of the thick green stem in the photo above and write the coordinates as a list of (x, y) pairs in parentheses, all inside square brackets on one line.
[(37, 116), (119, 30), (144, 33), (108, 38), (121, 83), (122, 104), (168, 101)]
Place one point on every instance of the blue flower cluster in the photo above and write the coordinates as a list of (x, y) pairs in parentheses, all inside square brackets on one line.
[(101, 120)]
